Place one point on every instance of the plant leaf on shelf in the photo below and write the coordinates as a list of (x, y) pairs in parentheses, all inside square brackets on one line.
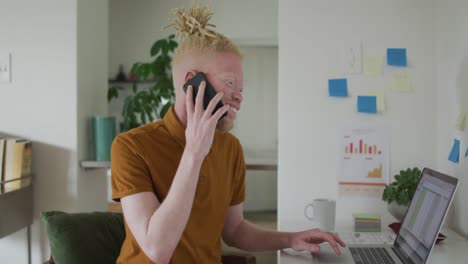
[(403, 188)]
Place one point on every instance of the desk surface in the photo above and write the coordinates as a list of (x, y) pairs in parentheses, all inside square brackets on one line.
[(452, 250)]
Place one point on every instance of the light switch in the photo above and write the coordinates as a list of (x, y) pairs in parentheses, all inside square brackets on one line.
[(5, 68)]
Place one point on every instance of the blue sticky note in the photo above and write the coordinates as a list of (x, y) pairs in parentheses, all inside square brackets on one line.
[(367, 104), (466, 153), (338, 87), (396, 57), (455, 153)]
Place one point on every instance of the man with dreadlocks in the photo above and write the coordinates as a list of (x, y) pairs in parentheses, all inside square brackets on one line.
[(181, 180)]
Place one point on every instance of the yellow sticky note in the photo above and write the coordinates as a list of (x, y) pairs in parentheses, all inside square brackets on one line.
[(380, 99), (402, 82), (373, 66), (461, 121)]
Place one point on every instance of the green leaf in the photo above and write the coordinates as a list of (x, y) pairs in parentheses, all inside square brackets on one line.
[(112, 92), (164, 48), (145, 104), (172, 45), (143, 117), (147, 71), (135, 67), (148, 112), (156, 47), (140, 72)]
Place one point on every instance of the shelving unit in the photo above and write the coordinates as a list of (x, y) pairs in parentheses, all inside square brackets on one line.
[(131, 82), (17, 208), (90, 165)]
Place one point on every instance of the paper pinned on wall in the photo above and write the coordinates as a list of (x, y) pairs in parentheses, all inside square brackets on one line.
[(461, 121), (338, 87), (373, 66), (367, 104), (363, 162), (351, 58), (402, 82), (396, 57), (454, 155), (380, 99)]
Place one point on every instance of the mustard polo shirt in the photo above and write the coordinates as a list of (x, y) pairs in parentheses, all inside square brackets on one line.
[(145, 159)]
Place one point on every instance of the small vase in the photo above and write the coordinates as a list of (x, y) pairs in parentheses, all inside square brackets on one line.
[(104, 134), (398, 211)]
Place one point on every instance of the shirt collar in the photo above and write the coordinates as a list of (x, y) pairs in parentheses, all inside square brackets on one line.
[(174, 126), (177, 130)]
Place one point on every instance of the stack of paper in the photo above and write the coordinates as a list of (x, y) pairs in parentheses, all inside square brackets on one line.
[(367, 223)]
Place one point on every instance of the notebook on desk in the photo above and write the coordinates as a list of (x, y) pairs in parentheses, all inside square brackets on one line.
[(418, 232)]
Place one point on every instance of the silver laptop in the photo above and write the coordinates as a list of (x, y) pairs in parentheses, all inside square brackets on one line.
[(418, 232)]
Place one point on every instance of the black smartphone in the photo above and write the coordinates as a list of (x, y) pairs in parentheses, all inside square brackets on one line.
[(210, 92)]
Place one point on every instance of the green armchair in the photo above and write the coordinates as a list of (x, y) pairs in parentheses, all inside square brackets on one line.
[(95, 238)]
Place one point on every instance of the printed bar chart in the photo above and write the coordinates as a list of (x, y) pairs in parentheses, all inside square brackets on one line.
[(362, 148)]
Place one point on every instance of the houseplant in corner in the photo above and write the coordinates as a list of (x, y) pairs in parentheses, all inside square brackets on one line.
[(145, 105), (399, 193)]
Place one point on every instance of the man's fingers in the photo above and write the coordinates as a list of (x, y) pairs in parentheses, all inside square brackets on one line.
[(216, 116), (338, 239), (314, 248), (304, 245), (213, 104), (189, 102), (199, 99), (331, 240)]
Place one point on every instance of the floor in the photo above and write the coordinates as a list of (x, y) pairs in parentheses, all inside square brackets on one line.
[(264, 220)]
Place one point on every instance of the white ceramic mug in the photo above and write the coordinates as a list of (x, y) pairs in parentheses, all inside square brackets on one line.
[(323, 213)]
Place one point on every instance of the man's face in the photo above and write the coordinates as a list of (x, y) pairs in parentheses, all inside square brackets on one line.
[(225, 75)]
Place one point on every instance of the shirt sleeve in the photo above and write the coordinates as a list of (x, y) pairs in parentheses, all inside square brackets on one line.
[(129, 172), (238, 195)]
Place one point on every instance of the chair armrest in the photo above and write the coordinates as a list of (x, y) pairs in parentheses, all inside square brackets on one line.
[(226, 259), (238, 259), (50, 261)]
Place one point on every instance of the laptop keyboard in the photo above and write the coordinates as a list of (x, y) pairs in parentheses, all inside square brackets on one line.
[(371, 256)]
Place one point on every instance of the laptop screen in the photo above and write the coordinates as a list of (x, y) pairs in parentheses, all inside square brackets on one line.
[(424, 217)]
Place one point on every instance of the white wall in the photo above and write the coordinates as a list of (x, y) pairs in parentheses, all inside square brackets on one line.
[(44, 102), (311, 33), (452, 96), (257, 124), (93, 58), (134, 26), (41, 104)]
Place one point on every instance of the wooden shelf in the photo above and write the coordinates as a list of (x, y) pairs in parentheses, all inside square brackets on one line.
[(87, 165), (261, 167), (94, 164), (131, 82), (17, 210)]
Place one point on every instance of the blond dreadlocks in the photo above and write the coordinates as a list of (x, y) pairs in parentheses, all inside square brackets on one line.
[(195, 33)]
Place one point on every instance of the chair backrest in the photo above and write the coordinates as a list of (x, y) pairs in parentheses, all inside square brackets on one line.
[(95, 238), (84, 237)]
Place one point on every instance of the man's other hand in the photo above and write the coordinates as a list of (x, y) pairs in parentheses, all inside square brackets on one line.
[(310, 239)]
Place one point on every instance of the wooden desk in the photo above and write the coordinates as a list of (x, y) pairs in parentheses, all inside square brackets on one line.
[(453, 250)]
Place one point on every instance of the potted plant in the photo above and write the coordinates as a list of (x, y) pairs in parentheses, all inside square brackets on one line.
[(400, 192), (145, 105)]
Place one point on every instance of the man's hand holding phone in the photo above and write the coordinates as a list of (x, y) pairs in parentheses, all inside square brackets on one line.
[(201, 124)]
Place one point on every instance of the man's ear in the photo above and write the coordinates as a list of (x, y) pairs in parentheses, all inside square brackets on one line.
[(189, 75)]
